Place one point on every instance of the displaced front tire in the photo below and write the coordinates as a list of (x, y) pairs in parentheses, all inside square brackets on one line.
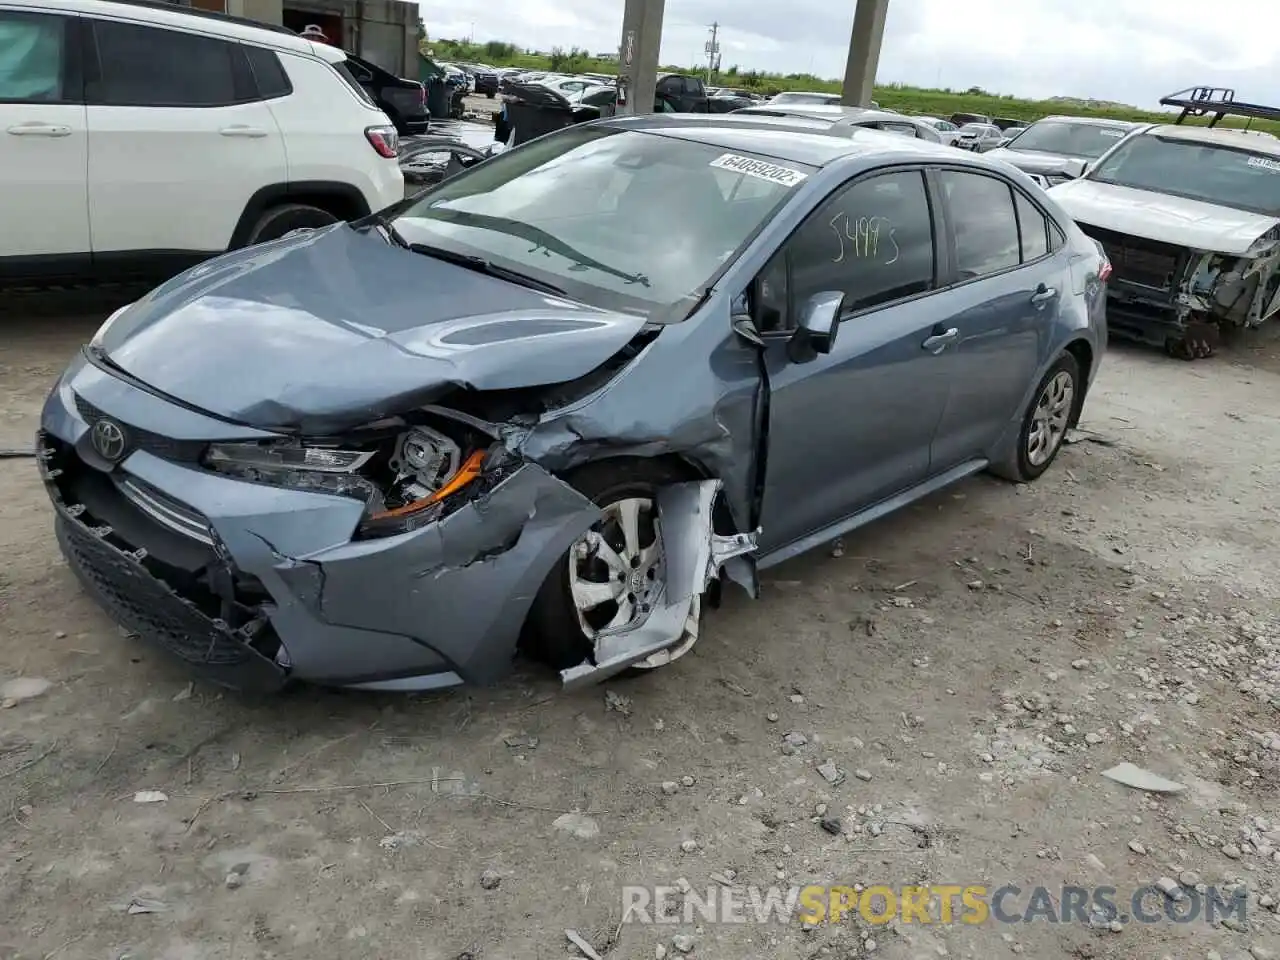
[(612, 572), (1045, 424)]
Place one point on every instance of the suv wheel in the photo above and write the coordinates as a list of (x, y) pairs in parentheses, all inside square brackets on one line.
[(278, 221)]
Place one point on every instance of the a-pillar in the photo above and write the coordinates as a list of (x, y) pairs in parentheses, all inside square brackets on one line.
[(638, 54), (864, 52)]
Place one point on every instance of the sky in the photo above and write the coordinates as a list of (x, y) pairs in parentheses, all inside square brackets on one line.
[(1131, 51)]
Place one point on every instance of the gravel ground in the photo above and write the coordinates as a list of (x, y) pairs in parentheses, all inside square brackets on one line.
[(968, 667)]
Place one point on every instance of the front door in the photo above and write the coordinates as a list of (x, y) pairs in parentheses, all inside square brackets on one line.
[(1006, 301), (853, 427), (44, 150)]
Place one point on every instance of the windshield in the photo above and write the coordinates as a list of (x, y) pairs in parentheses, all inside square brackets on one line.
[(619, 219), (1085, 140), (1228, 176)]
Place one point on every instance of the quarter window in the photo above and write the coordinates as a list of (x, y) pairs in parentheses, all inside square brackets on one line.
[(872, 240), (154, 67), (32, 57), (1033, 227), (268, 73), (986, 227)]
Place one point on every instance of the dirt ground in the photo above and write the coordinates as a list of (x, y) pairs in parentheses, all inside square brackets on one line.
[(971, 665)]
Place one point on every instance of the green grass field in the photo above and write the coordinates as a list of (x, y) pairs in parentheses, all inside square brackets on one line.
[(915, 100)]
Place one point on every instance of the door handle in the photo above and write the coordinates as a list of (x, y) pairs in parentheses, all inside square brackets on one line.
[(40, 130), (1043, 295), (940, 341), (240, 130)]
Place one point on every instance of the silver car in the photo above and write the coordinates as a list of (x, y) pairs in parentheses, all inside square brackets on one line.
[(841, 118), (553, 401)]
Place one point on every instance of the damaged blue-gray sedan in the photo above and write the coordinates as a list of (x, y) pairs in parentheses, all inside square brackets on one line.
[(553, 402)]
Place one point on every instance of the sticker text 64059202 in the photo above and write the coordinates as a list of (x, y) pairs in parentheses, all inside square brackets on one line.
[(760, 169), (1266, 163)]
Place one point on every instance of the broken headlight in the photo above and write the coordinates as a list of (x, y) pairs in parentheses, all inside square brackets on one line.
[(298, 467), (402, 474)]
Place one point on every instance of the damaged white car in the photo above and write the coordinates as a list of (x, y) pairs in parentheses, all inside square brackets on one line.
[(1190, 219)]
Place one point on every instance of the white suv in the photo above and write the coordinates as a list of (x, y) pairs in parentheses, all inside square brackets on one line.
[(136, 139)]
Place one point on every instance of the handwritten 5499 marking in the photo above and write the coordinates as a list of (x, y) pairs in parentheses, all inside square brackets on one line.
[(864, 235)]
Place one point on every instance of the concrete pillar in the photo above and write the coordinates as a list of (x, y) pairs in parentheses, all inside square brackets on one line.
[(864, 52), (638, 54)]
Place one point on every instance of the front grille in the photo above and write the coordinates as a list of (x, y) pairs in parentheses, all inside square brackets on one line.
[(167, 448), (1147, 263), (142, 603)]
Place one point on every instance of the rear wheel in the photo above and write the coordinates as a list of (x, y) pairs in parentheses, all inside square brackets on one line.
[(1045, 424), (287, 217), (614, 574)]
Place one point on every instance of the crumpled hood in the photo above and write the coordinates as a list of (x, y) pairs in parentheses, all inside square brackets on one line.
[(325, 330), (1042, 163), (1157, 216)]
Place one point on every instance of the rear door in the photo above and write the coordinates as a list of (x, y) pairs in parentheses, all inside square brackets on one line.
[(43, 139), (179, 140), (1008, 276)]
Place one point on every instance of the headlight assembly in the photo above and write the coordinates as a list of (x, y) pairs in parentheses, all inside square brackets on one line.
[(402, 476)]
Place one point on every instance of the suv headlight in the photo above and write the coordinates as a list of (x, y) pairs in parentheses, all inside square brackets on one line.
[(403, 477)]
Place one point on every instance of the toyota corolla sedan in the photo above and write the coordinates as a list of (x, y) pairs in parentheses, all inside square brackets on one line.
[(553, 402)]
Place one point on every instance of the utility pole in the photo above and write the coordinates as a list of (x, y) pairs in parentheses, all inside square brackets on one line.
[(638, 55), (713, 52)]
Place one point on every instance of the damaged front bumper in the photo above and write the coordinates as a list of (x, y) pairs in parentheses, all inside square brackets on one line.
[(257, 585), (1166, 295)]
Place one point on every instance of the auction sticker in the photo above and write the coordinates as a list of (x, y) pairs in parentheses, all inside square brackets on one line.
[(1266, 163), (785, 176)]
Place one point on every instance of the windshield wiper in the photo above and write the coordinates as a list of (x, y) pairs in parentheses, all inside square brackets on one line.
[(393, 234), (535, 235), (481, 265)]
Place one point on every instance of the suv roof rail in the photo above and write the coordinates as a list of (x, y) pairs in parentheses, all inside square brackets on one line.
[(1217, 102), (171, 7)]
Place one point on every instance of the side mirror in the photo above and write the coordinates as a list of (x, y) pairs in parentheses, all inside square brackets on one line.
[(1075, 168), (819, 320)]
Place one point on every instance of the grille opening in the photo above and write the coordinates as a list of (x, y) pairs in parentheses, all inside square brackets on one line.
[(201, 608), (1137, 260)]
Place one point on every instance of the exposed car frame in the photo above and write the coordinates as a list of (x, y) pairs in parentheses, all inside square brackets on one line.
[(1186, 268)]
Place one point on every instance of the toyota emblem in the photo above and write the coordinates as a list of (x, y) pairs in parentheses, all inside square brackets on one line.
[(109, 440)]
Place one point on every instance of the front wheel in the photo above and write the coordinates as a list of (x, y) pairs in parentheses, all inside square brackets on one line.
[(614, 574), (1045, 424), (286, 218)]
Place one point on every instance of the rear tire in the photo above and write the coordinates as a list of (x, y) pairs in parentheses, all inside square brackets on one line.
[(556, 636), (1045, 424), (278, 221)]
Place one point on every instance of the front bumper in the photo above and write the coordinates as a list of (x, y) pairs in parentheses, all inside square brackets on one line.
[(255, 585)]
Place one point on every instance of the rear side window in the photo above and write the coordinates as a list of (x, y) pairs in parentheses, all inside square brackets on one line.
[(154, 67), (986, 228), (344, 71), (1033, 227), (33, 54), (268, 73)]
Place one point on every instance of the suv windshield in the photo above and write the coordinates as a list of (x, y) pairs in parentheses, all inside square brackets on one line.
[(618, 219), (1228, 176), (1084, 140)]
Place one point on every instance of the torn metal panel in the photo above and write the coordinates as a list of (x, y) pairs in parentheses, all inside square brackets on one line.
[(464, 584), (708, 412), (694, 555)]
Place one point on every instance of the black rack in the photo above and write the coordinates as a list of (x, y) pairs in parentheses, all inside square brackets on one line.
[(1216, 102), (173, 7)]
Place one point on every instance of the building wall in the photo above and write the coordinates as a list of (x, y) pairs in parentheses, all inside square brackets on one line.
[(383, 31)]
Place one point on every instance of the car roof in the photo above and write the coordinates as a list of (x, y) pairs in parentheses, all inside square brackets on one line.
[(827, 112), (154, 13), (798, 142), (1092, 121), (1221, 136)]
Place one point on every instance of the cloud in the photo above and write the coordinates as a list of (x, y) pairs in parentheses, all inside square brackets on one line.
[(1133, 51)]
